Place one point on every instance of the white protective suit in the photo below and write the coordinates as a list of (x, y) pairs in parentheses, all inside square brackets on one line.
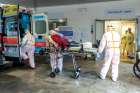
[(56, 60), (56, 57), (111, 43), (27, 48)]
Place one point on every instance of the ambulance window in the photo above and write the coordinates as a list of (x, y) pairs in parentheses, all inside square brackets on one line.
[(40, 27), (11, 26)]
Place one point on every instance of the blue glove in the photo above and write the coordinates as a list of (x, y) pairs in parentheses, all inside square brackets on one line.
[(99, 57)]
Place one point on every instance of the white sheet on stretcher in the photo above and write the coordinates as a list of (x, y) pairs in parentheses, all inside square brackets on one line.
[(91, 50), (87, 50)]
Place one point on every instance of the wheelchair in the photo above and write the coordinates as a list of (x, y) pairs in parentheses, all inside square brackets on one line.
[(136, 66)]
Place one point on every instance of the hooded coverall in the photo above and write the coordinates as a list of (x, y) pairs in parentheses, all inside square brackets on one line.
[(56, 57), (111, 42), (123, 45), (27, 48), (130, 43)]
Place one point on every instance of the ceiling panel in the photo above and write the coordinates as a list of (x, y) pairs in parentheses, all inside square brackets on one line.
[(39, 3)]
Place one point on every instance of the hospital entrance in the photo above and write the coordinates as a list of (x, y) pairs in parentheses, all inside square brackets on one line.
[(127, 30)]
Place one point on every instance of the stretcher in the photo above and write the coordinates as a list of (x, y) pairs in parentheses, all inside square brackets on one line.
[(73, 51), (73, 54)]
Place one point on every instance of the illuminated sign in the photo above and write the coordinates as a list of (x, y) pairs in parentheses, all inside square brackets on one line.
[(39, 17)]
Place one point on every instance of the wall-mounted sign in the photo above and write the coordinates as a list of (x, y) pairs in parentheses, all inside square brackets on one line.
[(124, 12)]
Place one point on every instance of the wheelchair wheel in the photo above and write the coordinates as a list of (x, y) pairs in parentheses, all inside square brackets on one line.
[(136, 69), (138, 66)]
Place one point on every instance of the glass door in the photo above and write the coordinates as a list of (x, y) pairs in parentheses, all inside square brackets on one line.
[(99, 30)]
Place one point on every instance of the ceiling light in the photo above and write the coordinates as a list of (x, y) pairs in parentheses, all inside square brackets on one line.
[(61, 20)]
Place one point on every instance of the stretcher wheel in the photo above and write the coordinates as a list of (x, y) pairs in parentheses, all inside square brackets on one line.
[(136, 69), (52, 75), (77, 73)]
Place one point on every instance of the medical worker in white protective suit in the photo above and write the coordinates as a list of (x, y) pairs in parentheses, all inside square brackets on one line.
[(27, 48), (111, 43), (56, 57)]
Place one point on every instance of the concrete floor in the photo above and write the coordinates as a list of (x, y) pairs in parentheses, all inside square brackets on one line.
[(23, 80)]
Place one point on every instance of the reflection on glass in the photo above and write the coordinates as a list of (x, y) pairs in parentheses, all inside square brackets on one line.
[(10, 26), (40, 27)]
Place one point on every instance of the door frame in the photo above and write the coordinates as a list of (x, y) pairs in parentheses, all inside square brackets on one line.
[(95, 39)]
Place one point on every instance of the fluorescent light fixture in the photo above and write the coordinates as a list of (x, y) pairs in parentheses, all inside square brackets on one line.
[(61, 20), (1, 4)]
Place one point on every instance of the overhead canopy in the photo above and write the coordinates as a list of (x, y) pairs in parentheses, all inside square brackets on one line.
[(41, 3)]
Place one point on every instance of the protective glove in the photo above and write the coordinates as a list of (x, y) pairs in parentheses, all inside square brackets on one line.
[(99, 56)]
